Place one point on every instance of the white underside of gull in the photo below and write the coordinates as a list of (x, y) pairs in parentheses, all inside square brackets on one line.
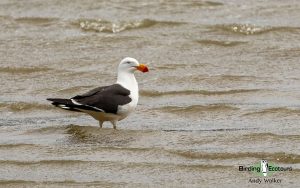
[(128, 81)]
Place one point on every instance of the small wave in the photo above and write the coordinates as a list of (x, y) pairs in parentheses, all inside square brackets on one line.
[(28, 183), (271, 136), (248, 29), (221, 43), (197, 108), (206, 3), (36, 21), (99, 25), (131, 164), (192, 4), (195, 92), (209, 130), (10, 146), (24, 106), (106, 136), (21, 183), (23, 70), (278, 157), (46, 162), (280, 111), (170, 66), (75, 89), (96, 135), (238, 77), (208, 78)]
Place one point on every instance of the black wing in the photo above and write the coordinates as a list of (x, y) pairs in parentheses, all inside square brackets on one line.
[(106, 98), (90, 93)]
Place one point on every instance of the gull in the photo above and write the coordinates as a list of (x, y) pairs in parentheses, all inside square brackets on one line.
[(108, 103)]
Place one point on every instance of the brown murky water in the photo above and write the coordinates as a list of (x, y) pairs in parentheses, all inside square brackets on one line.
[(222, 91)]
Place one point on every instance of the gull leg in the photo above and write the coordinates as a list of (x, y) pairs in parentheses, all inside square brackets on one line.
[(100, 124), (114, 123)]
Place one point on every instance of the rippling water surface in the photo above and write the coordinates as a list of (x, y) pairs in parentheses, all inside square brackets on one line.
[(222, 91)]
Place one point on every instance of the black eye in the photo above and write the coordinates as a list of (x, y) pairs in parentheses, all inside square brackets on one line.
[(128, 62)]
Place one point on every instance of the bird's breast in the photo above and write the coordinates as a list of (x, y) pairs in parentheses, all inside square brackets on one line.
[(125, 110)]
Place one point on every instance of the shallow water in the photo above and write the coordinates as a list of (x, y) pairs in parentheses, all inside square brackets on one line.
[(222, 91)]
